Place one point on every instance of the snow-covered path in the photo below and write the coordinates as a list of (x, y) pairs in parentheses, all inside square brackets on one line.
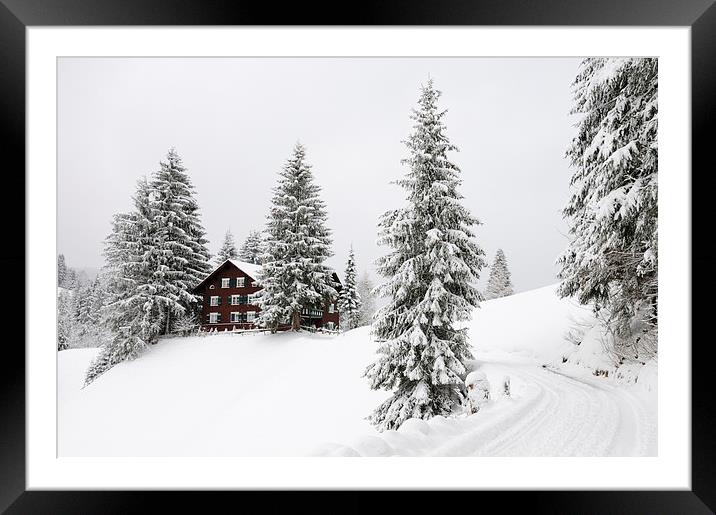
[(559, 416), (548, 414)]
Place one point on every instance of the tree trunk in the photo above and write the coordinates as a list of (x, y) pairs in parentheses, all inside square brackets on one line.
[(296, 321)]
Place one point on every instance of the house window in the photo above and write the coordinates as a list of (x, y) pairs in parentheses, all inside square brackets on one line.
[(250, 316), (240, 282), (214, 301), (330, 326), (225, 282), (331, 308), (252, 299), (235, 316), (213, 318), (235, 301)]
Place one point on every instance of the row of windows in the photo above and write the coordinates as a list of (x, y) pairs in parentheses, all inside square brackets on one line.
[(233, 282), (236, 317), (312, 311), (234, 300)]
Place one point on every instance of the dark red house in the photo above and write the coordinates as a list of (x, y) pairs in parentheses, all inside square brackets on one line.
[(229, 300)]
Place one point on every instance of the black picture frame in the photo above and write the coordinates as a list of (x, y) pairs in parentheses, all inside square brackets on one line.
[(16, 15)]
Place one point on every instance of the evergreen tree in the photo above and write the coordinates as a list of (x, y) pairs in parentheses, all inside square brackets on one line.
[(70, 279), (228, 249), (61, 270), (365, 289), (131, 314), (155, 255), (499, 284), (349, 301), (65, 320), (611, 260), (430, 270), (252, 249), (293, 273), (180, 256)]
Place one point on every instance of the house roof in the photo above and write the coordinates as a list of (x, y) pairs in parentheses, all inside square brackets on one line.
[(249, 269)]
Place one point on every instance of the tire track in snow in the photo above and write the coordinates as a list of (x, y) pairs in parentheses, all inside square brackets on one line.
[(559, 415)]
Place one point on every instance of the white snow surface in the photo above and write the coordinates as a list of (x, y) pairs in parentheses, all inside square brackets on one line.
[(303, 394)]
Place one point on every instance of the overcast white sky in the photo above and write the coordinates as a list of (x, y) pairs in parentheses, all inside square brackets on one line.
[(235, 121)]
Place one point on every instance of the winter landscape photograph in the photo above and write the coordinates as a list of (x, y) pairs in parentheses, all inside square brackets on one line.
[(357, 257)]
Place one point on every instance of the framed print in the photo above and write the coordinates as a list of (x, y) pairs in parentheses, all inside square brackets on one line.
[(419, 252)]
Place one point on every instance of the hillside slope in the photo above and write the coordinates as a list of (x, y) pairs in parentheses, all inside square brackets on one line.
[(299, 394)]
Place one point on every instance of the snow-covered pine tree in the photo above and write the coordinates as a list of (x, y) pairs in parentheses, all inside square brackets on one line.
[(293, 273), (365, 289), (499, 283), (65, 319), (61, 270), (227, 250), (611, 260), (70, 279), (430, 271), (252, 248), (180, 256), (88, 300), (349, 301), (130, 315)]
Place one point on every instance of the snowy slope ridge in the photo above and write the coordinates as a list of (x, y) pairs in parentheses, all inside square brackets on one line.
[(288, 395)]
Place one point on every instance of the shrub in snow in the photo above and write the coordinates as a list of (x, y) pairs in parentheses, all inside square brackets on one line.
[(298, 241), (506, 386), (478, 391), (611, 260), (430, 270), (499, 283), (349, 301), (185, 325)]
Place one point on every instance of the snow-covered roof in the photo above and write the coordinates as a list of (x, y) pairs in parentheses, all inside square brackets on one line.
[(249, 269)]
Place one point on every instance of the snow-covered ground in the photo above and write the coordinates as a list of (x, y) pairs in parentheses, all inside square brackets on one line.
[(288, 394)]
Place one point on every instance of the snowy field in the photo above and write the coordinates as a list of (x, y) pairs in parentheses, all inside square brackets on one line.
[(288, 395)]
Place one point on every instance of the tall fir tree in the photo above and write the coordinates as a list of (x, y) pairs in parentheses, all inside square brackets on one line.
[(366, 292), (611, 260), (430, 270), (180, 256), (154, 256), (130, 313), (499, 283), (252, 248), (61, 270), (349, 301), (227, 250), (293, 273)]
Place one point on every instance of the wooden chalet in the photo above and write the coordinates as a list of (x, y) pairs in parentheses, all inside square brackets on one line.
[(229, 300)]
